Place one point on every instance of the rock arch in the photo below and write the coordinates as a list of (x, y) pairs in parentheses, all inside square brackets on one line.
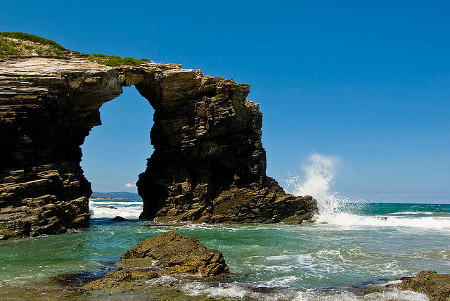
[(208, 163)]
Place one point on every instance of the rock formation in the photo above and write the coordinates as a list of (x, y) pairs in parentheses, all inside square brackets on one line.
[(208, 163), (167, 253), (172, 253), (435, 286)]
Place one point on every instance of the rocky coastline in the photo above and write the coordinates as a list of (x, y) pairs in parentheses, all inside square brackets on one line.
[(209, 166)]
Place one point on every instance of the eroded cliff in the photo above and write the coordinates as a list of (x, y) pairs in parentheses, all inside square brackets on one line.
[(208, 163)]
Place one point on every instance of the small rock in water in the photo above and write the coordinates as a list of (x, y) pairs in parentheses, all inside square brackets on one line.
[(167, 253), (109, 207), (175, 254), (118, 219)]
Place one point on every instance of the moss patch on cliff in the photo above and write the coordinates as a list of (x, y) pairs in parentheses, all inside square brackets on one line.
[(20, 43), (115, 60)]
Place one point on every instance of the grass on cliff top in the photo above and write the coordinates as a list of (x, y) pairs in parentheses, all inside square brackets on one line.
[(31, 37), (20, 43), (115, 60)]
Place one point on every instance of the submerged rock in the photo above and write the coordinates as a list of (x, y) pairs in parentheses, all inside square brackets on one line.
[(118, 219), (167, 253), (435, 286)]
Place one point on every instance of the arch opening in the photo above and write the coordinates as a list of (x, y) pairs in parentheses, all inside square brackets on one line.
[(115, 153)]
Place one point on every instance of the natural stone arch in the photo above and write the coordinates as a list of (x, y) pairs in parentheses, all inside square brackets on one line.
[(115, 153), (208, 163)]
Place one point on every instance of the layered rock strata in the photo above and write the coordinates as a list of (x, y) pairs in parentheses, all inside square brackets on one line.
[(208, 163)]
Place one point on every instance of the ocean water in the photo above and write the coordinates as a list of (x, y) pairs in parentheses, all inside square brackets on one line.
[(350, 248)]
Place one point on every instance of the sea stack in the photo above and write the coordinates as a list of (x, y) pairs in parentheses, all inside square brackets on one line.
[(208, 163)]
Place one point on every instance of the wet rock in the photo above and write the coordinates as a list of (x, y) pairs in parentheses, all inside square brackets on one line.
[(435, 286), (165, 254), (118, 219), (171, 253), (121, 279), (75, 279), (209, 164)]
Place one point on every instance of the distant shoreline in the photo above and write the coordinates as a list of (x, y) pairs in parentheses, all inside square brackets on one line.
[(107, 199), (115, 196)]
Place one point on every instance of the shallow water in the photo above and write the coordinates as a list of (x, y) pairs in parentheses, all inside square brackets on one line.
[(360, 245)]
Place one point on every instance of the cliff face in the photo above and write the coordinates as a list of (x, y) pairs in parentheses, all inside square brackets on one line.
[(208, 164)]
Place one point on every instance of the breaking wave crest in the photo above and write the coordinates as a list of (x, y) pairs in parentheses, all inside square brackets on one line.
[(318, 180)]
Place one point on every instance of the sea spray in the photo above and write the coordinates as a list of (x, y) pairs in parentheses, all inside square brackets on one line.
[(335, 209), (318, 180)]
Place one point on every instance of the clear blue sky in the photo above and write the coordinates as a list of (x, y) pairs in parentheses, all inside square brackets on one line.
[(365, 81)]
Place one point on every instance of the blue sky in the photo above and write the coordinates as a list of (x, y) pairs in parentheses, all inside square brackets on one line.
[(365, 81)]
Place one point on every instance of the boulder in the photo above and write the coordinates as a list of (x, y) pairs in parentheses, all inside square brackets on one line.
[(435, 286), (171, 253), (165, 254)]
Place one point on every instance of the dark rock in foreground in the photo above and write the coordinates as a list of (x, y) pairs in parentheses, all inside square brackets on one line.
[(167, 253), (435, 286), (173, 253), (118, 219), (208, 163)]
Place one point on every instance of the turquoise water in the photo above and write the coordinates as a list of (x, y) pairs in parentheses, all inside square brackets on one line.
[(358, 245)]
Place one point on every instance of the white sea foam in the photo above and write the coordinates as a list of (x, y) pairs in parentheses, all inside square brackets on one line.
[(241, 291), (277, 268), (318, 180), (235, 290), (348, 219), (112, 203), (224, 290), (282, 257), (348, 296), (129, 210), (164, 280), (412, 213)]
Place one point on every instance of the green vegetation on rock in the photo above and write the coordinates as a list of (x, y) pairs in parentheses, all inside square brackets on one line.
[(31, 37), (115, 60), (25, 44), (20, 43)]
